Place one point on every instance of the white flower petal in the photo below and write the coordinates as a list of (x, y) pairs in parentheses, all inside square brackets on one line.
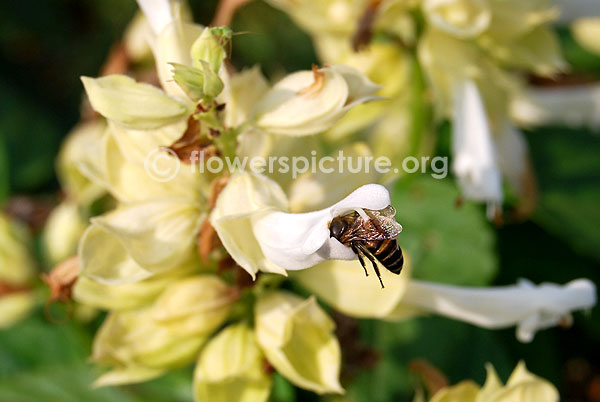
[(158, 13), (525, 305), (298, 241), (106, 261), (475, 162), (158, 234)]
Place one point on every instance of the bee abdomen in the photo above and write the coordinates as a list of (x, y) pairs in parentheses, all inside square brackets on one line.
[(388, 253)]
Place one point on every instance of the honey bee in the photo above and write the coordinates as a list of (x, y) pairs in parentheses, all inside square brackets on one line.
[(372, 235)]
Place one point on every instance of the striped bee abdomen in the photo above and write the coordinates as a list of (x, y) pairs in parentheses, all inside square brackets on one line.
[(388, 253)]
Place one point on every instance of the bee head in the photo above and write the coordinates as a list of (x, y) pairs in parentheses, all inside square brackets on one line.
[(337, 227)]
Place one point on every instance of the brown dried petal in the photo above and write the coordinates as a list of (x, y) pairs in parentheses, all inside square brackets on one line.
[(61, 280), (433, 378)]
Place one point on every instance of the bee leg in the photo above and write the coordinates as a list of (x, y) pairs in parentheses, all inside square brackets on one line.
[(375, 267), (360, 257)]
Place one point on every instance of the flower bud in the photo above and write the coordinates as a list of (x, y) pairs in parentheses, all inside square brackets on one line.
[(197, 83), (231, 368), (139, 349), (297, 337), (133, 105), (62, 232), (208, 49), (79, 162), (16, 273), (196, 305)]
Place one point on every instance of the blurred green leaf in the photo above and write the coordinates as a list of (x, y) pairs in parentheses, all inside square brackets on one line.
[(283, 390), (568, 169), (445, 243), (31, 136), (59, 383)]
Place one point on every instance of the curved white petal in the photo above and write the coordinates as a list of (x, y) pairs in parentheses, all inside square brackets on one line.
[(525, 305), (475, 164)]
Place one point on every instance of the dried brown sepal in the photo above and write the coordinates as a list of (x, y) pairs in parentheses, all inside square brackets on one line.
[(226, 264), (529, 194), (118, 61), (193, 144), (364, 30), (225, 11), (432, 377), (208, 240), (243, 280), (61, 280), (216, 186), (318, 83)]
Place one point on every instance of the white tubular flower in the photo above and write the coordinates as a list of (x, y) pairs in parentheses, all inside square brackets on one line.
[(475, 163), (250, 220), (309, 102), (570, 106), (571, 10), (525, 305)]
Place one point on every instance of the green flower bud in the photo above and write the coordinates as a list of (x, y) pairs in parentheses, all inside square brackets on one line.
[(231, 368), (197, 83), (209, 49), (133, 105)]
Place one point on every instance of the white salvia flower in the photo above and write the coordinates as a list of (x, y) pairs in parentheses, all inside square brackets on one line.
[(475, 164), (577, 106), (309, 102), (525, 305), (251, 221), (298, 241)]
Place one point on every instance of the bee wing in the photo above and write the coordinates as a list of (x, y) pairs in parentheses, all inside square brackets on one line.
[(381, 225), (384, 221)]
